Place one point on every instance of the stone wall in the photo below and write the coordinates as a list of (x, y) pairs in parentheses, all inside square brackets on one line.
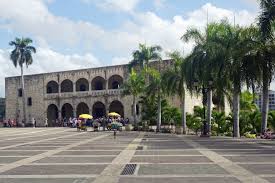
[(36, 87)]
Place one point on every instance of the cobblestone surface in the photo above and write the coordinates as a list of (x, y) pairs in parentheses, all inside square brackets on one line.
[(62, 155)]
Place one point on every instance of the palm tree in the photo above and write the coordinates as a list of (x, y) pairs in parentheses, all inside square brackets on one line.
[(266, 20), (134, 86), (204, 64), (22, 54), (144, 55), (155, 89), (174, 82)]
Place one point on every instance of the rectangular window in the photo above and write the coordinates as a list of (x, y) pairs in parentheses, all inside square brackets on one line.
[(29, 101), (20, 92)]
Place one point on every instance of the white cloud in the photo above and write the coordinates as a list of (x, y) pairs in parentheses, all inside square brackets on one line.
[(45, 60), (120, 60), (35, 19), (158, 4), (115, 5)]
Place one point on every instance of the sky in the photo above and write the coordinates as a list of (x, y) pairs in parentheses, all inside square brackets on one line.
[(74, 34)]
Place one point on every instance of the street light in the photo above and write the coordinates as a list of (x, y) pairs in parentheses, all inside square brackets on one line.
[(206, 102)]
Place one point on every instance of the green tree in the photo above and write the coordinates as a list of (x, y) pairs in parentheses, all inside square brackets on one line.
[(266, 23), (134, 86), (144, 55), (155, 89), (174, 82), (22, 55)]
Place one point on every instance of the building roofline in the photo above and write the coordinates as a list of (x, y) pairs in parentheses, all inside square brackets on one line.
[(73, 70)]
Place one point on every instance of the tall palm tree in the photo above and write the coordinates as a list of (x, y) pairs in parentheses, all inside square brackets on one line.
[(174, 82), (144, 55), (266, 23), (22, 55), (134, 86), (155, 89), (202, 62)]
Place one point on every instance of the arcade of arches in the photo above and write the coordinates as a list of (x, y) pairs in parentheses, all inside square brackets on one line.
[(98, 110), (82, 84)]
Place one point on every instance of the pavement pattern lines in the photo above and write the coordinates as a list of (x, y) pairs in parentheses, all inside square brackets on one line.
[(59, 155)]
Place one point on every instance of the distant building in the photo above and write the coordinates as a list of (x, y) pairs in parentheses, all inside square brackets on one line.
[(2, 108), (259, 100)]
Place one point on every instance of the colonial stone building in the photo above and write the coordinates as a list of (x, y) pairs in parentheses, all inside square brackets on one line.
[(2, 108), (96, 91)]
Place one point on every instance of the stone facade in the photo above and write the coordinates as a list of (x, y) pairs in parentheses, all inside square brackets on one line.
[(2, 108), (70, 93)]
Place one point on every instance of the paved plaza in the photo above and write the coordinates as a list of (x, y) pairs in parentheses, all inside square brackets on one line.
[(62, 155)]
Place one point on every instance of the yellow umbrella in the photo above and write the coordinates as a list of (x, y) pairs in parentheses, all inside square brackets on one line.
[(113, 114), (85, 116)]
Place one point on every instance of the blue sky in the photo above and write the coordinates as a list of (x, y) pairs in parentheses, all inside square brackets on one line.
[(72, 34)]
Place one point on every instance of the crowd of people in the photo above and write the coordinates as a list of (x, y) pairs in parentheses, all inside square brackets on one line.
[(73, 122)]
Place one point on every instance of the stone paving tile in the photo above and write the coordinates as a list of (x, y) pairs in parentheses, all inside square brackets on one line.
[(169, 152), (76, 160), (180, 180), (251, 158), (19, 153), (270, 179), (177, 169), (89, 153), (31, 148), (170, 159), (260, 168), (9, 159), (55, 169), (244, 152), (43, 180), (97, 148)]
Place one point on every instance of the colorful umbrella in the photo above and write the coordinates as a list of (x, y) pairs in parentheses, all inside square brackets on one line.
[(113, 114), (85, 116)]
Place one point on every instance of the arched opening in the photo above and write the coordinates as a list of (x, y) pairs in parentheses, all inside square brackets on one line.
[(116, 106), (99, 110), (66, 86), (82, 85), (115, 82), (98, 83), (52, 87), (52, 114), (67, 111), (82, 108)]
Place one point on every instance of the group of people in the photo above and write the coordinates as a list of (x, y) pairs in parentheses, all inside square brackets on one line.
[(10, 123), (74, 122)]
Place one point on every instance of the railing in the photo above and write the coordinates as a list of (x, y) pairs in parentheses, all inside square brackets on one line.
[(93, 93)]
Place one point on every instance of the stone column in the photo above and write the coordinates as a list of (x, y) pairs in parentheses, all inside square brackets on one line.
[(74, 87)]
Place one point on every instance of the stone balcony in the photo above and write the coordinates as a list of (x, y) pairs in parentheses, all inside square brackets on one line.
[(94, 93)]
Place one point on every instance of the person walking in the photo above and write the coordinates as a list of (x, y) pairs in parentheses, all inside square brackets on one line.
[(33, 122), (46, 122)]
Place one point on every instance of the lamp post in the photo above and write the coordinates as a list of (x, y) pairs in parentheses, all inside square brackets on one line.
[(207, 102)]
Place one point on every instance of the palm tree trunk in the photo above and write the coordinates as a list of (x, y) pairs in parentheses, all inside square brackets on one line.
[(23, 95), (236, 111), (135, 110), (183, 113), (265, 95), (159, 113), (209, 110)]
